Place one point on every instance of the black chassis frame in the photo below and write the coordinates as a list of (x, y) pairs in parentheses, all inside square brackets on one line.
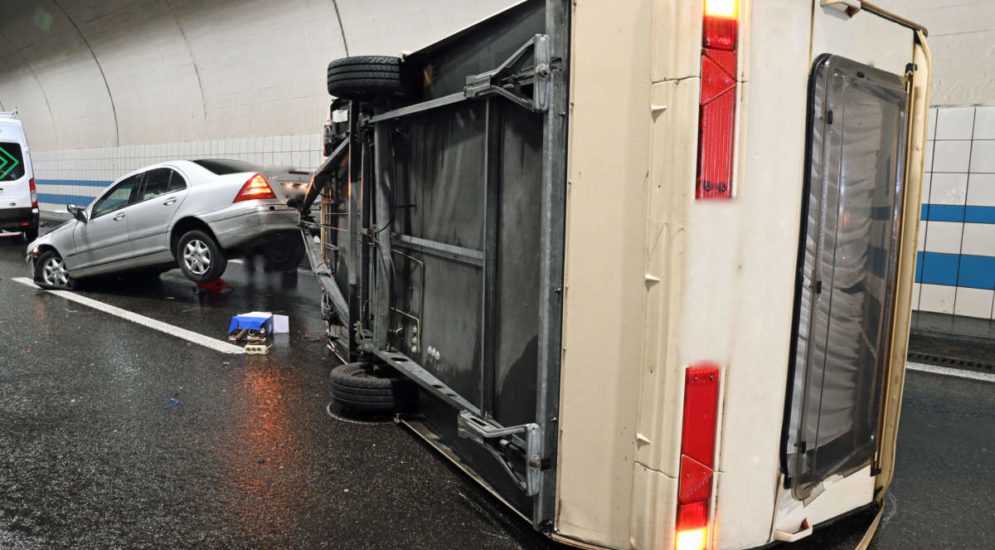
[(360, 298)]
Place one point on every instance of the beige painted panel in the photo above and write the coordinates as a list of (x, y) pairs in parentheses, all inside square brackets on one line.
[(603, 300), (895, 374), (655, 495), (676, 46), (865, 37), (869, 39), (840, 493), (746, 309), (670, 190)]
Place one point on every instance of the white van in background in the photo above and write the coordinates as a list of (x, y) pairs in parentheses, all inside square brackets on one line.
[(18, 197)]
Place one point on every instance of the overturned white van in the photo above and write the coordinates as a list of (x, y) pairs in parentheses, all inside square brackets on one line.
[(649, 263)]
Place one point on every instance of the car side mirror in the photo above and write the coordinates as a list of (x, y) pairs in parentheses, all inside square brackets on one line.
[(78, 212)]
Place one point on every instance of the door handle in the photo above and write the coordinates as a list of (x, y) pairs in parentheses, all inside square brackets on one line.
[(119, 217), (170, 201)]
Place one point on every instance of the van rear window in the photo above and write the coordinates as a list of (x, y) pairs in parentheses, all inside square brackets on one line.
[(11, 161), (227, 166)]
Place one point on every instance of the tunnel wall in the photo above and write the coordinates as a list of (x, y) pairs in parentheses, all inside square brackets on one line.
[(956, 266), (108, 87)]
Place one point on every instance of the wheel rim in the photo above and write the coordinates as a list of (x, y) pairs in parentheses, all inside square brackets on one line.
[(54, 272), (197, 257)]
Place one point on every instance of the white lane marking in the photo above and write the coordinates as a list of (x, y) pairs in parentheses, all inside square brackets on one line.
[(946, 371), (188, 335)]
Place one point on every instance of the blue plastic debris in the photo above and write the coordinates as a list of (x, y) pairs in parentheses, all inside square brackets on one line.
[(255, 320), (174, 402)]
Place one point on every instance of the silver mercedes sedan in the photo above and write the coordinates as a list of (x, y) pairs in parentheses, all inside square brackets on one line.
[(194, 214)]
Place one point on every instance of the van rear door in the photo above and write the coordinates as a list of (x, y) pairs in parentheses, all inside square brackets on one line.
[(847, 263), (15, 190)]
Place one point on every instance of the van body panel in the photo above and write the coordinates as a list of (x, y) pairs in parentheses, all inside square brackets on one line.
[(865, 38), (746, 311), (16, 173), (609, 152), (895, 369)]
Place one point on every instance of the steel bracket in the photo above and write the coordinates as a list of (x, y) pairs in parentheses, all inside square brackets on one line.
[(498, 438), (505, 81)]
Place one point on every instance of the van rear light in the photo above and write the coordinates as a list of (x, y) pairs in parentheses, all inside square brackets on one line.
[(694, 490), (34, 193), (717, 106), (692, 526), (256, 188), (721, 24)]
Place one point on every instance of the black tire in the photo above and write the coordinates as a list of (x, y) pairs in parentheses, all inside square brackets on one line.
[(367, 77), (50, 276), (204, 250), (285, 253), (30, 234), (355, 387)]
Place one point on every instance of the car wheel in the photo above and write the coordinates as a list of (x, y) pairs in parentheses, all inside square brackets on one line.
[(200, 257), (284, 254), (356, 387), (367, 77), (51, 272)]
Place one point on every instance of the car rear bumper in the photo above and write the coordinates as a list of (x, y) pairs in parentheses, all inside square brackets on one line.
[(244, 225), (15, 218)]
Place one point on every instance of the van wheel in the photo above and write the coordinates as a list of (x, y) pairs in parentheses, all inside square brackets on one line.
[(200, 257), (367, 77), (285, 253), (356, 387), (51, 272), (30, 234)]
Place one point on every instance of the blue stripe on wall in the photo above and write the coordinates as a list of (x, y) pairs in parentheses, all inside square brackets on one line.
[(85, 183), (937, 269), (955, 270), (56, 198), (958, 213), (980, 214), (977, 272)]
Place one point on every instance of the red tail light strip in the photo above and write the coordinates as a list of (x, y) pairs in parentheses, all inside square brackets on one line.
[(701, 403), (717, 106)]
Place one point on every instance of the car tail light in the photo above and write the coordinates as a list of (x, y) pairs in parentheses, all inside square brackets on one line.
[(34, 193), (717, 106), (694, 492), (256, 188)]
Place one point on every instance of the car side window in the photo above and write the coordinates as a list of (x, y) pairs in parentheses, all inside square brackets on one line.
[(121, 195), (176, 182), (156, 183)]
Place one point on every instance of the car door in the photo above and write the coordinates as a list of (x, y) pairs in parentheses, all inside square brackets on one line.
[(104, 238), (162, 192)]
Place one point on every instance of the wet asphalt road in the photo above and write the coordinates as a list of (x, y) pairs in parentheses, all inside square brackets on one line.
[(250, 458)]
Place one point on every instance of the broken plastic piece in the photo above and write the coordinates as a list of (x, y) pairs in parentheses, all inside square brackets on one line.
[(173, 402), (217, 286), (257, 349)]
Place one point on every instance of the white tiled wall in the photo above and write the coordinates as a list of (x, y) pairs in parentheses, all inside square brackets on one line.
[(960, 179), (76, 172)]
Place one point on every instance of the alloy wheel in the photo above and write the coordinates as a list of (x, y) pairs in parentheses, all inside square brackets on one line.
[(54, 272), (197, 257)]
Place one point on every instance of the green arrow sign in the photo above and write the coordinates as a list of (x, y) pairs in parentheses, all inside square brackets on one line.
[(4, 156)]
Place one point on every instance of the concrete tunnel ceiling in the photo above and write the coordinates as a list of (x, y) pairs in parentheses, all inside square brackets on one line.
[(87, 74)]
